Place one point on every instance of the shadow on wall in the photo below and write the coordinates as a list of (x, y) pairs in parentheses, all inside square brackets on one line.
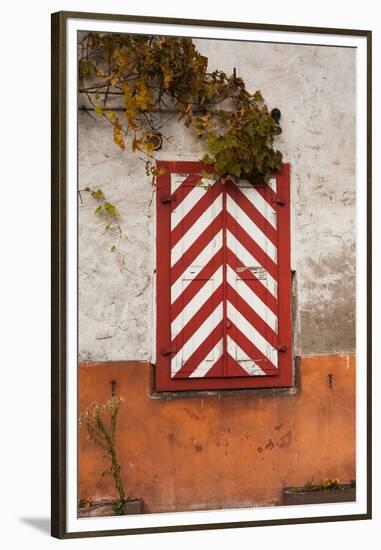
[(40, 524)]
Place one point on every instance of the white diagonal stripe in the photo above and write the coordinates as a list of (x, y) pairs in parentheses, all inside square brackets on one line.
[(251, 229), (259, 202), (252, 299), (197, 339), (196, 303), (177, 180), (195, 231), (187, 204), (202, 259), (247, 364), (249, 261), (205, 366), (272, 184), (252, 334)]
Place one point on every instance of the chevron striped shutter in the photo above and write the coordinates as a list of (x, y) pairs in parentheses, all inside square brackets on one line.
[(223, 281)]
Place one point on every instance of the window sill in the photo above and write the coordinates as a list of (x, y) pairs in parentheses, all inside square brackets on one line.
[(220, 394)]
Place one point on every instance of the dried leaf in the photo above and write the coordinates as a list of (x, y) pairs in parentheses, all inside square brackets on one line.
[(118, 137)]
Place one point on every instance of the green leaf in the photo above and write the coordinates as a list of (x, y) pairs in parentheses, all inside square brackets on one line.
[(258, 96), (110, 208), (98, 194), (215, 144), (113, 248), (207, 175), (98, 209), (234, 168), (239, 136), (207, 159)]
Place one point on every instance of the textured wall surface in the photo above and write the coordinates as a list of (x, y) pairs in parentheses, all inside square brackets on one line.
[(314, 89), (224, 450)]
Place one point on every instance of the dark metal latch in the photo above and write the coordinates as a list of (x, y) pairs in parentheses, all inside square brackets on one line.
[(166, 200), (168, 351), (279, 200)]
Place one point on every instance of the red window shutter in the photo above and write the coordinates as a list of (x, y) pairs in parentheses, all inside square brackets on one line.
[(223, 281)]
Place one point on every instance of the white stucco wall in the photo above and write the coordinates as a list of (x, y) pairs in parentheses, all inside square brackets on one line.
[(314, 87)]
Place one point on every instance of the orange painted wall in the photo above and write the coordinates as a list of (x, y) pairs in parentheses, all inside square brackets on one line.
[(235, 449)]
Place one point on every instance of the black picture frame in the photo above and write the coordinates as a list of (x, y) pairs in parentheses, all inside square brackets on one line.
[(59, 283)]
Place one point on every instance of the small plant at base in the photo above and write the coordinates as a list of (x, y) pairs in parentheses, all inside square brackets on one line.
[(102, 431), (86, 503), (326, 485), (330, 484), (308, 484)]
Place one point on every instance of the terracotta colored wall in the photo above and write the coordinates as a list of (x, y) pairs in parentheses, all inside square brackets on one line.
[(233, 449)]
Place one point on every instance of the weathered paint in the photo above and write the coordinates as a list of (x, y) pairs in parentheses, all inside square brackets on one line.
[(314, 89), (232, 449), (221, 321)]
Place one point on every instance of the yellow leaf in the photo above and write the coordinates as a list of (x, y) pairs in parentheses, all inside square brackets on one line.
[(136, 143), (160, 40), (142, 97), (118, 134), (121, 58), (111, 116), (98, 110), (148, 147), (101, 72), (132, 123), (118, 137), (168, 77)]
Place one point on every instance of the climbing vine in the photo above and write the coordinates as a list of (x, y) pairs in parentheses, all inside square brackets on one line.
[(160, 78), (110, 216)]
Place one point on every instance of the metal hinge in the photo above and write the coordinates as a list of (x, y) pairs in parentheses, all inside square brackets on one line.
[(281, 348), (279, 200), (168, 351), (166, 200)]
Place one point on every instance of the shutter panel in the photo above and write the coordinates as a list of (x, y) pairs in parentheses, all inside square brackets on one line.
[(196, 309), (251, 273), (223, 281)]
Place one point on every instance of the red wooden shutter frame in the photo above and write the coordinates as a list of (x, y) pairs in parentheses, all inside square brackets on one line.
[(164, 382)]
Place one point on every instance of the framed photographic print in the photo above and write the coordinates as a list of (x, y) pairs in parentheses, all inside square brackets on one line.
[(211, 274)]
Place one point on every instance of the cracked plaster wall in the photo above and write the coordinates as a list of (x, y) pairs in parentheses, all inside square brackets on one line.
[(314, 87)]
